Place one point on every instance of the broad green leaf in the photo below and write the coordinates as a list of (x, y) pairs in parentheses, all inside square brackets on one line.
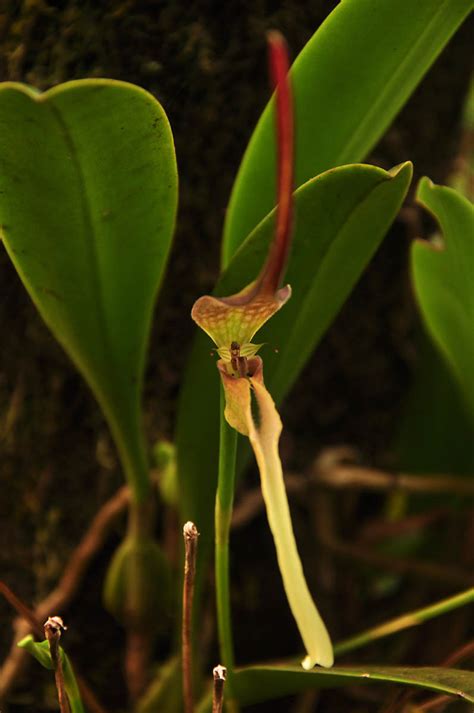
[(436, 433), (259, 683), (88, 193), (40, 651), (349, 82), (340, 218), (462, 176), (444, 284)]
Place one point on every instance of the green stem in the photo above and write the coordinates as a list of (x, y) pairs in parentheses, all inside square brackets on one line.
[(223, 515), (404, 622), (131, 447)]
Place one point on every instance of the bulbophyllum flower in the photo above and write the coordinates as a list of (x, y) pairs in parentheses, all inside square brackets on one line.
[(232, 323)]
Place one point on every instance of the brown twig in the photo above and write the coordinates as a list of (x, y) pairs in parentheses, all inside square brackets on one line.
[(190, 535), (337, 476), (219, 673), (61, 596), (417, 568), (35, 625), (434, 704), (466, 651), (52, 631), (24, 611), (402, 702), (251, 504), (352, 477), (138, 651), (379, 529)]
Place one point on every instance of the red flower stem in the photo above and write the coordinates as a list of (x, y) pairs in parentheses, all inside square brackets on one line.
[(275, 265)]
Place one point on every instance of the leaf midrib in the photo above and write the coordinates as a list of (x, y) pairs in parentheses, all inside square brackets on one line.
[(90, 244), (384, 674)]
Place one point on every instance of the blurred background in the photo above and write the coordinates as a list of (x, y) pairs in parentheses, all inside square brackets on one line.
[(374, 393)]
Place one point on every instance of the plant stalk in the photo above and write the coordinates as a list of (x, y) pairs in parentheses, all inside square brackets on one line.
[(405, 621), (223, 516), (219, 673), (139, 638), (52, 632), (190, 535)]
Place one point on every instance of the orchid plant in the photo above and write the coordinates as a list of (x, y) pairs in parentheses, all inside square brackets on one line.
[(88, 200), (232, 323)]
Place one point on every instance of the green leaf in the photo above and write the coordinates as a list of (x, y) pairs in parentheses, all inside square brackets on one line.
[(259, 683), (88, 193), (349, 81), (388, 628), (444, 284), (340, 217), (40, 651), (405, 621), (436, 432)]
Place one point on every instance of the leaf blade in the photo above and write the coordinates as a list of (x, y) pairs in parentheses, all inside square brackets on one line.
[(88, 202), (443, 281), (257, 683), (340, 117)]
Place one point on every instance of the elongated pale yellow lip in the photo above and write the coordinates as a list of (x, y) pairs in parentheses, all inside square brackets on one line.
[(264, 439)]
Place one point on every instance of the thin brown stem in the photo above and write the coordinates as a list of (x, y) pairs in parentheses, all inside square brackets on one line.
[(251, 503), (24, 611), (338, 476), (138, 651), (139, 636), (52, 632), (219, 673), (416, 568), (60, 597), (12, 666), (466, 651), (434, 704), (190, 535), (379, 529), (351, 477)]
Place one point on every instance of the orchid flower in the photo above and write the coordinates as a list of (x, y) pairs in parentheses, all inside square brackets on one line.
[(232, 323)]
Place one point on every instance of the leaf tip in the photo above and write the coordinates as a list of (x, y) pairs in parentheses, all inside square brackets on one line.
[(401, 168)]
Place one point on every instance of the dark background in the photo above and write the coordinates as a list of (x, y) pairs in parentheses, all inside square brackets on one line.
[(206, 63)]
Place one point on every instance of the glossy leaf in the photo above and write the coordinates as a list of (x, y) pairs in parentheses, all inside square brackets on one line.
[(258, 683), (340, 218), (444, 284), (349, 82), (88, 193)]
